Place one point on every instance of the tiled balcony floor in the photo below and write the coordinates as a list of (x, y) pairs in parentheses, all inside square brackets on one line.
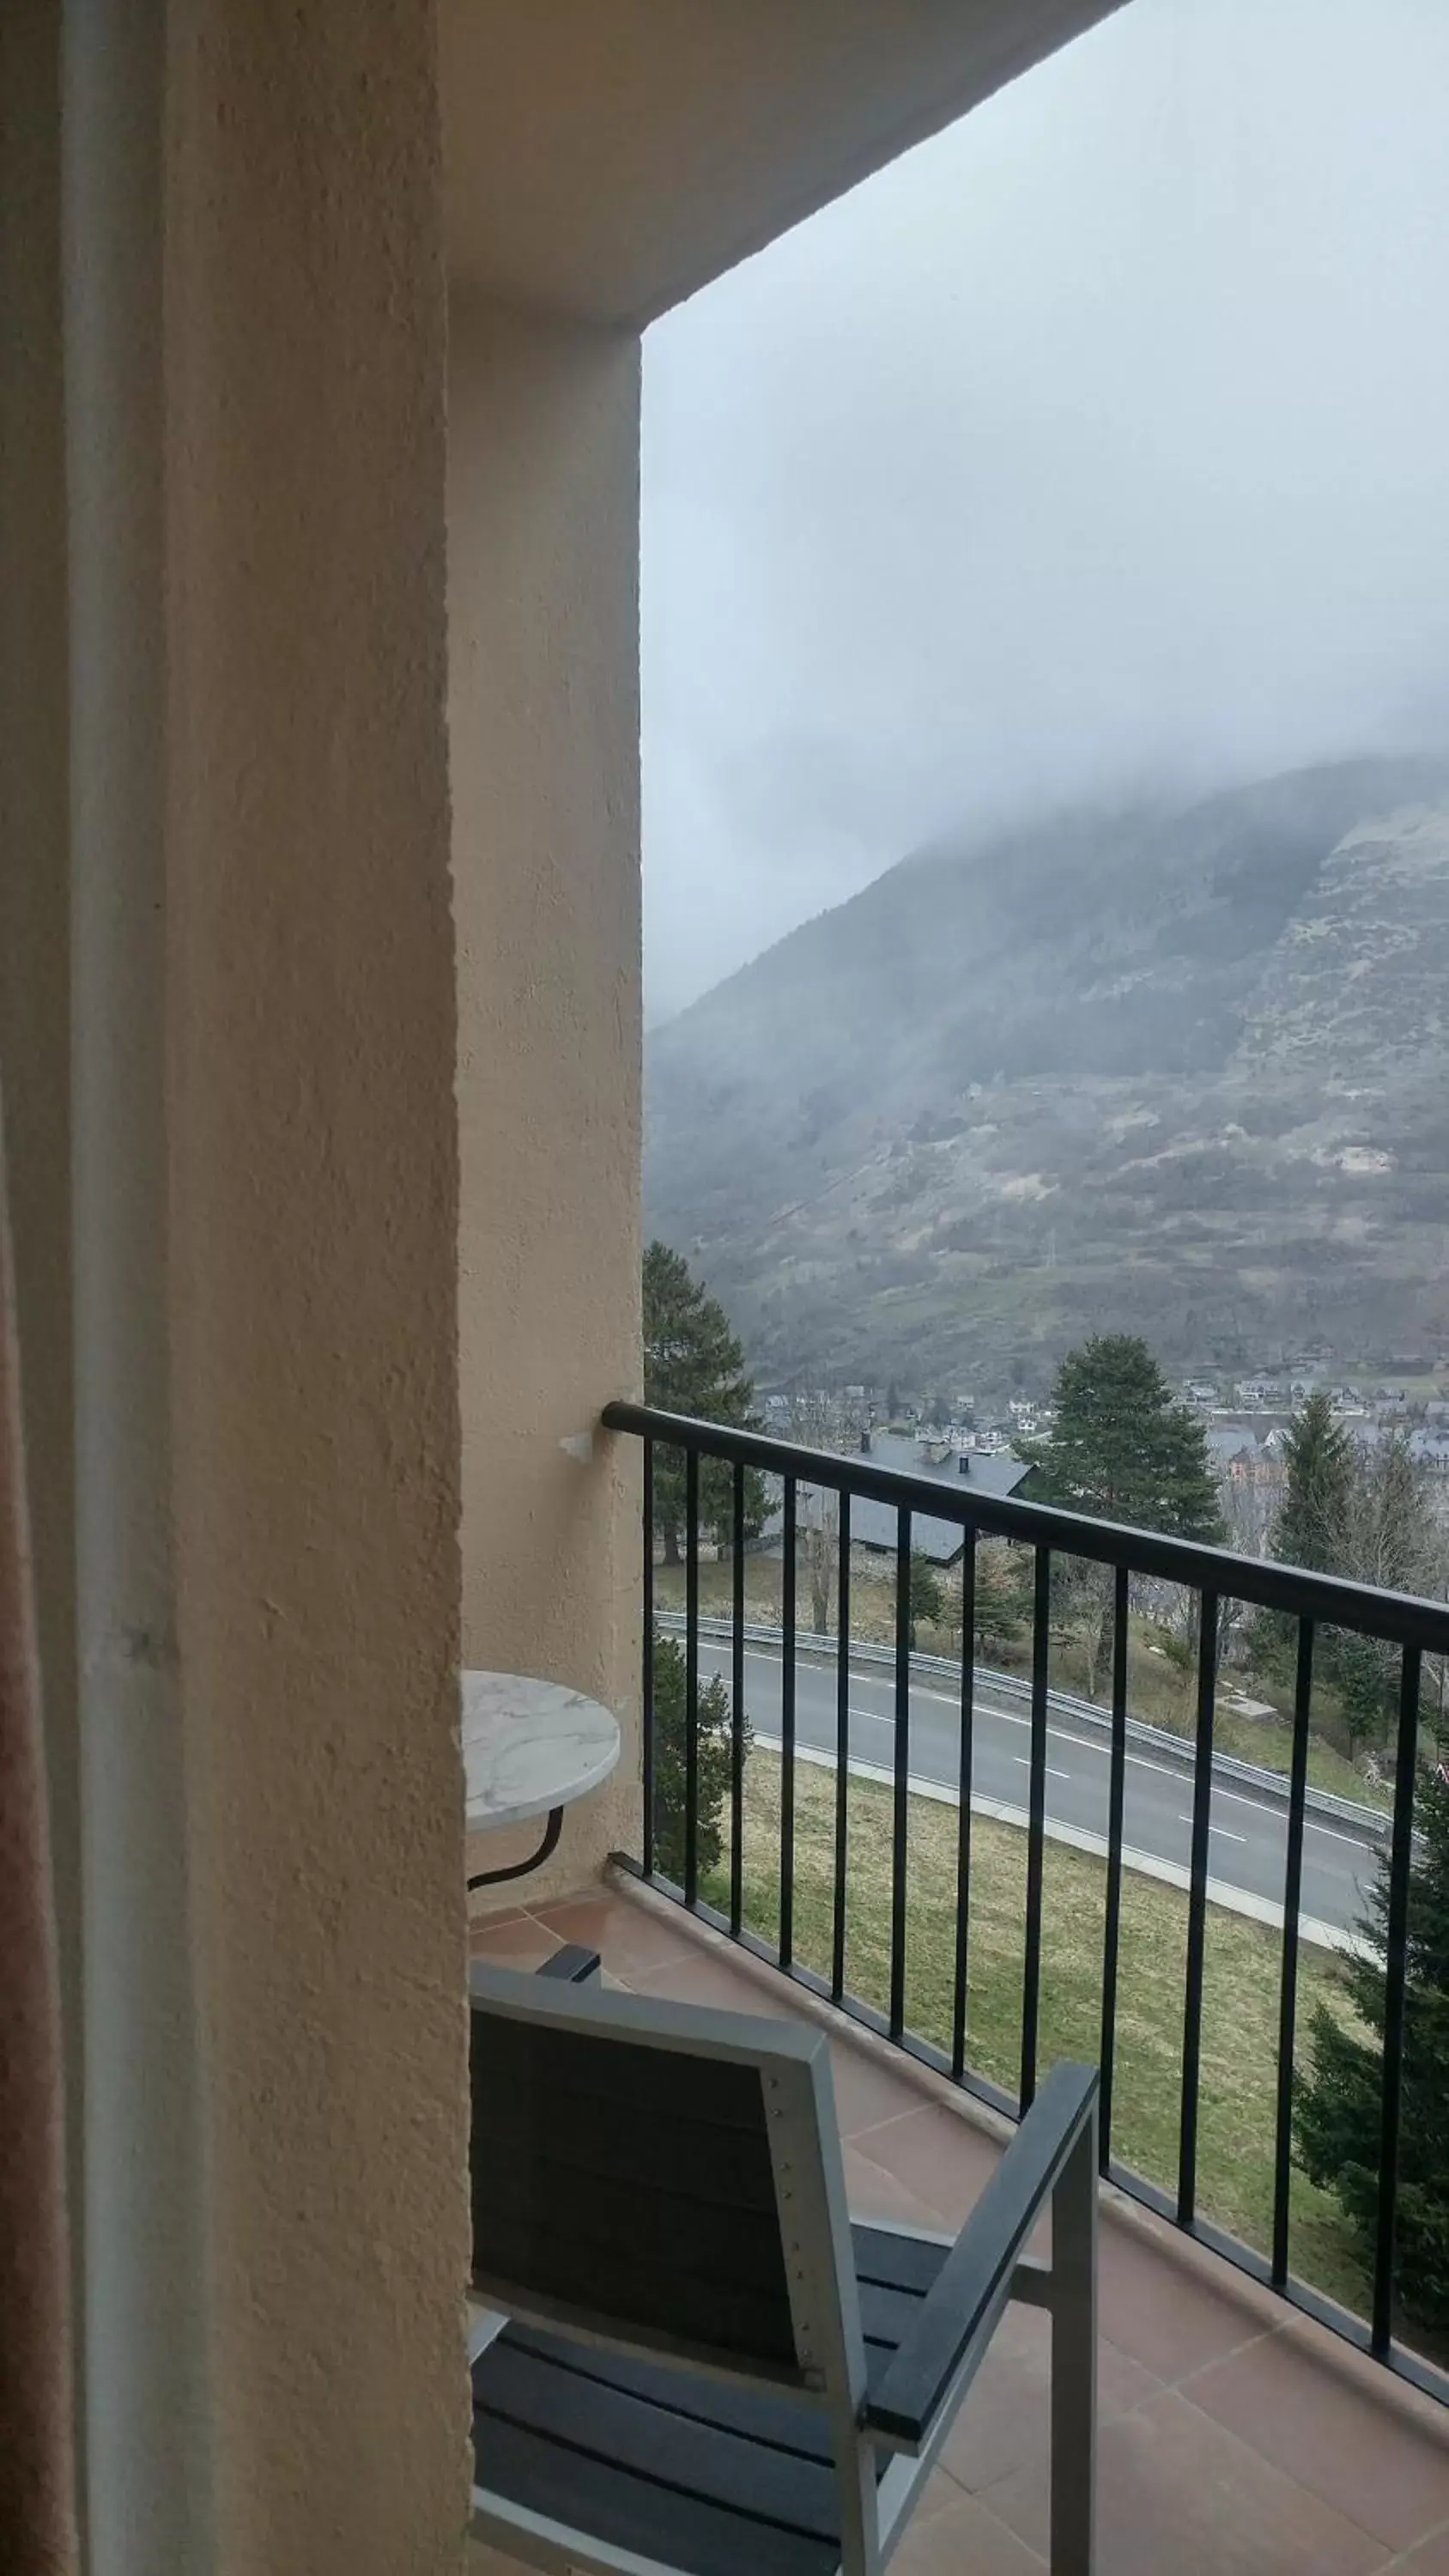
[(1236, 2439)]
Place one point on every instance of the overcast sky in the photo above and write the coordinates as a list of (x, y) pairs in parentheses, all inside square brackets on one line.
[(1104, 439)]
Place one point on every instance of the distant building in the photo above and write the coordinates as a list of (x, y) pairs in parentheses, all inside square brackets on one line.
[(1258, 1394), (873, 1525)]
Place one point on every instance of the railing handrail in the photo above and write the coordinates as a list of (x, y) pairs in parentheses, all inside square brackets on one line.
[(1333, 1600)]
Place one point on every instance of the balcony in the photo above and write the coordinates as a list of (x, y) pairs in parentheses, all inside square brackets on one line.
[(1232, 2434), (320, 1005), (1248, 2418)]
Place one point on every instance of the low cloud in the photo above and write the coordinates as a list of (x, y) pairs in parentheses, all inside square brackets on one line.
[(1098, 443)]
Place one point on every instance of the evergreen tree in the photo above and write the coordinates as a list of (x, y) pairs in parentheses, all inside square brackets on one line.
[(1338, 2107), (670, 1745), (1311, 1527), (1313, 1519), (1122, 1448), (693, 1364)]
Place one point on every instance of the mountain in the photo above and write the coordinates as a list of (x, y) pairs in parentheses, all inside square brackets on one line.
[(1177, 1068)]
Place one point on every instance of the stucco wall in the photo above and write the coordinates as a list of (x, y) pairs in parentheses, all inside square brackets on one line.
[(314, 1166), (265, 1195), (543, 607)]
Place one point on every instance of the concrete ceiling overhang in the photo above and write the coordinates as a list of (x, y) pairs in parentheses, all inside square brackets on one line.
[(605, 158)]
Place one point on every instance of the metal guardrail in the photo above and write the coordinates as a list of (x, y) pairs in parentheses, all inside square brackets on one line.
[(1312, 1602), (1372, 1821)]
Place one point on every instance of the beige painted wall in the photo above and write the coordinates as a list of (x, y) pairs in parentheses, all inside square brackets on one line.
[(543, 606), (315, 1175), (606, 158), (240, 765)]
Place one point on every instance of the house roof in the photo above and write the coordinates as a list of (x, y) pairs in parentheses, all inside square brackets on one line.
[(873, 1524)]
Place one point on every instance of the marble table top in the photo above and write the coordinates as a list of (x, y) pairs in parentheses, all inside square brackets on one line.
[(529, 1746)]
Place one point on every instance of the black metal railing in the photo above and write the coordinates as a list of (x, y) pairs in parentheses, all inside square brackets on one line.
[(1212, 1576)]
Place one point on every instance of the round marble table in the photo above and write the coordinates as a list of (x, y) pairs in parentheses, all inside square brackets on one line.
[(529, 1749)]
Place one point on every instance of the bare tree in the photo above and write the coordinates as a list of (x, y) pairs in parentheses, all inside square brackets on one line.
[(819, 1420)]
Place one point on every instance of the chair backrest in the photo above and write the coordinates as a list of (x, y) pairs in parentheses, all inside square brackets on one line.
[(661, 2177)]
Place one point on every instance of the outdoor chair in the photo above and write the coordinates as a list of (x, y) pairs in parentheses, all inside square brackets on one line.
[(688, 2357)]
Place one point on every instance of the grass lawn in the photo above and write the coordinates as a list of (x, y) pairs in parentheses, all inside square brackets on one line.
[(1240, 2012)]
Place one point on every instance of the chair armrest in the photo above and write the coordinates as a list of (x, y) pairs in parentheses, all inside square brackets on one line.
[(936, 2362), (572, 1965)]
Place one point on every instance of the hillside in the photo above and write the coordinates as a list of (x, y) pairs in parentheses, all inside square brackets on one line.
[(1180, 1069)]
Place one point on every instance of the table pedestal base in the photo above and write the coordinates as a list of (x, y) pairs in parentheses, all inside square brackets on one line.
[(525, 1868)]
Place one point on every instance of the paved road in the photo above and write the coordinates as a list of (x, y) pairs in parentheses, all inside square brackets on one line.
[(1248, 1833)]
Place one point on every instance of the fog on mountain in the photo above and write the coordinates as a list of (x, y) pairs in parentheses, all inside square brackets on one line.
[(1046, 721)]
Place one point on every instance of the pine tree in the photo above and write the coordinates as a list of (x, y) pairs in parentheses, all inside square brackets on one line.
[(670, 1750), (693, 1364), (1313, 1519), (1311, 1528), (1121, 1448), (1338, 2109)]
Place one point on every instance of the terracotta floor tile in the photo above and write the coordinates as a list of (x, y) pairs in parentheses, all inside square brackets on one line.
[(1431, 2558), (706, 1976), (1307, 2414), (942, 2159), (866, 2092), (630, 1938), (964, 2540), (1157, 2309), (1005, 2422), (940, 2494), (515, 1941), (1180, 2493), (483, 2561), (872, 2192)]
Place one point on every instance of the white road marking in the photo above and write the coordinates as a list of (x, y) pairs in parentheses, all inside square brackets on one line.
[(1025, 1760), (1062, 1735)]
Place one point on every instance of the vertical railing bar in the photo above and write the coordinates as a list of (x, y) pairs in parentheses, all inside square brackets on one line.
[(901, 1815), (1112, 1921), (787, 1725), (1041, 1638), (737, 1709), (1395, 1981), (1202, 1789), (646, 1678), (842, 1748), (1288, 1990), (964, 1771), (697, 1450), (691, 1676)]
